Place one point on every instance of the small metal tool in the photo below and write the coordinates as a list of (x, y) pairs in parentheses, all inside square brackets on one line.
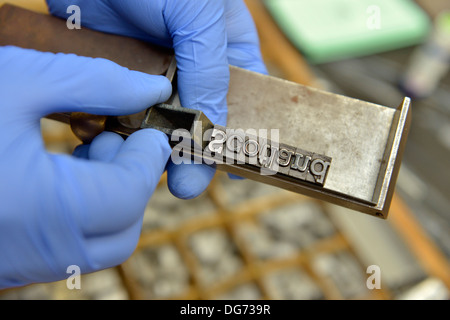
[(334, 148)]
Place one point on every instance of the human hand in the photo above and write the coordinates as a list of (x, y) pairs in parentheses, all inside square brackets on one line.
[(60, 210), (206, 35)]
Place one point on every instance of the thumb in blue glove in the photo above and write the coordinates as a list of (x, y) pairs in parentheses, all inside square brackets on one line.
[(206, 35), (60, 210)]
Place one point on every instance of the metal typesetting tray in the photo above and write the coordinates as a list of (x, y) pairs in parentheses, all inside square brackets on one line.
[(365, 140)]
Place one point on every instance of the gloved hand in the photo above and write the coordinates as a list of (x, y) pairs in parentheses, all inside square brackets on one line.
[(206, 36), (60, 210)]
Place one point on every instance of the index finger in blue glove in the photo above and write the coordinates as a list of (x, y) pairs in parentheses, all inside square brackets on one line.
[(200, 43), (197, 32), (66, 79), (243, 43)]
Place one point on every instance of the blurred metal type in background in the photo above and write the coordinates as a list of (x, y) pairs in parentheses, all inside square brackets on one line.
[(365, 140)]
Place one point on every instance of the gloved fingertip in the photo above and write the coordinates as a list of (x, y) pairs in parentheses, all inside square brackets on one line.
[(221, 117), (261, 68), (81, 151), (105, 146), (144, 155), (156, 88), (149, 140), (188, 181)]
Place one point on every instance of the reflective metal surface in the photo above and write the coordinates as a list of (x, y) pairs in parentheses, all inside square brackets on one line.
[(365, 140)]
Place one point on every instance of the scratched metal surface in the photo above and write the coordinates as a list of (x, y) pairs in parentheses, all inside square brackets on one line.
[(352, 132)]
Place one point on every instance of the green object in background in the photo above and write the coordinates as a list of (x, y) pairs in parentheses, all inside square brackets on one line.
[(329, 30), (443, 22)]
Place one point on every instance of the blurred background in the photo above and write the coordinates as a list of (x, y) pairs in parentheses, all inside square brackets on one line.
[(247, 240)]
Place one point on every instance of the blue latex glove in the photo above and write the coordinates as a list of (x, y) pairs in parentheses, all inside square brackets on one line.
[(206, 36), (60, 210)]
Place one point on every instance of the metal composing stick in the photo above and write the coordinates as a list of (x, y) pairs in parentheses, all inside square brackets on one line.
[(331, 147)]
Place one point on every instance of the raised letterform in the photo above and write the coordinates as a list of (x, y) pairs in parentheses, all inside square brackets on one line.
[(238, 147)]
